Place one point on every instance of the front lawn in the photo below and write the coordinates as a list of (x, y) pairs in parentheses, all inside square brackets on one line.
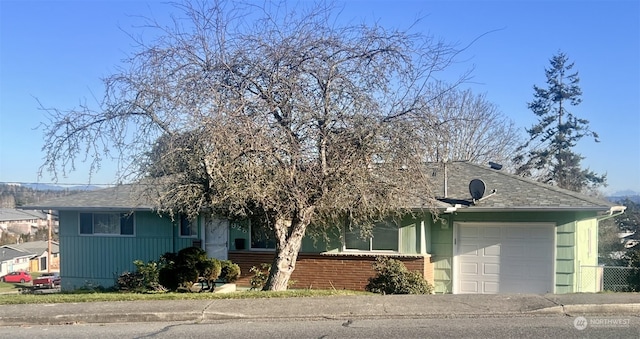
[(57, 298), (13, 288), (16, 287)]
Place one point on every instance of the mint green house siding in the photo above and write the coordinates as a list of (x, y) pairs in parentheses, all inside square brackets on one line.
[(573, 247), (573, 244), (588, 276), (97, 260), (331, 240), (442, 253)]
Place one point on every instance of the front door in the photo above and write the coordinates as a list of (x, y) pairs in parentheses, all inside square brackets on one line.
[(216, 237)]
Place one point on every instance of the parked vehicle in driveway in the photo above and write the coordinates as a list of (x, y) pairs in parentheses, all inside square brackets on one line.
[(17, 277), (47, 280)]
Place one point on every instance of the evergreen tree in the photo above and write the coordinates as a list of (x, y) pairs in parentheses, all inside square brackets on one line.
[(548, 156)]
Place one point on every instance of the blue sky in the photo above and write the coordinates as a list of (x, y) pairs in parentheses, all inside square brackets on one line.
[(57, 52)]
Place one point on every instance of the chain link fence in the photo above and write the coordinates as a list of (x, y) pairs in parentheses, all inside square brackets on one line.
[(608, 278)]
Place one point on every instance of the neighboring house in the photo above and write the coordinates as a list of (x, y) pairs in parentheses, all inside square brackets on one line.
[(40, 255), (629, 239), (12, 260), (22, 222), (519, 237)]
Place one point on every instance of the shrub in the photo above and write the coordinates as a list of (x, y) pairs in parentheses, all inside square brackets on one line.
[(129, 282), (166, 275), (260, 276), (187, 267), (634, 277), (144, 279), (230, 272), (392, 277)]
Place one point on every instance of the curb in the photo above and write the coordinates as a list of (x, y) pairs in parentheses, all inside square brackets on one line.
[(632, 309), (603, 309), (204, 315), (66, 319)]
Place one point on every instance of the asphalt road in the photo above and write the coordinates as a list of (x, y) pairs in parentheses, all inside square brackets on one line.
[(457, 327)]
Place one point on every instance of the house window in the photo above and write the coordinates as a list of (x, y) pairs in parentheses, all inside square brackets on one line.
[(188, 227), (384, 237), (262, 238), (106, 224)]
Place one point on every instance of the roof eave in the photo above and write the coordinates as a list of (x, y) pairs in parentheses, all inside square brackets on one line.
[(533, 209), (87, 208)]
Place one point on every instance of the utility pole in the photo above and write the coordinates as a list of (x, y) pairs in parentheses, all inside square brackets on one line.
[(49, 223)]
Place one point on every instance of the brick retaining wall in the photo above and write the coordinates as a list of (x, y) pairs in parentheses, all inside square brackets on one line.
[(318, 271)]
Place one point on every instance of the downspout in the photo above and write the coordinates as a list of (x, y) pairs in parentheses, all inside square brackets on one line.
[(614, 211), (423, 238), (174, 231)]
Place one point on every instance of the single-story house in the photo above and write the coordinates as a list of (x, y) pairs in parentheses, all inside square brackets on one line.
[(39, 250), (13, 260), (496, 233), (22, 222)]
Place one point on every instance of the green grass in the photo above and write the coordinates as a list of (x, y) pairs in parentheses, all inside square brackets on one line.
[(11, 287), (58, 298)]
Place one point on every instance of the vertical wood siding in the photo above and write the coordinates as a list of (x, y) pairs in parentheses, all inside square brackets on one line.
[(99, 260)]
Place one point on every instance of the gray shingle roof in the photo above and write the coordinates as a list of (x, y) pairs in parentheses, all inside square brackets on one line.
[(10, 214), (121, 197), (8, 253), (511, 193), (37, 247)]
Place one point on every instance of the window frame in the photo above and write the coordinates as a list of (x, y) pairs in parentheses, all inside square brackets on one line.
[(193, 227), (267, 241), (122, 216), (356, 232)]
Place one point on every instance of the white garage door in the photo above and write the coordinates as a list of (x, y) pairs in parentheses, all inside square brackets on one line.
[(504, 258)]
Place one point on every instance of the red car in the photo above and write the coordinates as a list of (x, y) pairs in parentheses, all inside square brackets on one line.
[(17, 277)]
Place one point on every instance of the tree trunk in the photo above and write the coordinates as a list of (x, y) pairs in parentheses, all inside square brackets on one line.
[(289, 234)]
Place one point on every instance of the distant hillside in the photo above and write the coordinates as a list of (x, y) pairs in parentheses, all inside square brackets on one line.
[(49, 187), (623, 195), (17, 194)]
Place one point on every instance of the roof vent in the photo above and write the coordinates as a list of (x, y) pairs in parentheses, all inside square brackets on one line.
[(495, 166)]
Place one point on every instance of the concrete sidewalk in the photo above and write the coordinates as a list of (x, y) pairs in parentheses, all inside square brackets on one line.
[(337, 307)]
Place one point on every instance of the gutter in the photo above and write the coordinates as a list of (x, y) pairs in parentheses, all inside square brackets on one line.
[(614, 211), (457, 208)]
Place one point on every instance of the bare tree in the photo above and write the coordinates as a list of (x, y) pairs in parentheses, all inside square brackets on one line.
[(460, 125), (265, 113)]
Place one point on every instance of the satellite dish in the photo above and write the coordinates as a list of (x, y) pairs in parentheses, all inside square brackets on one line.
[(476, 188)]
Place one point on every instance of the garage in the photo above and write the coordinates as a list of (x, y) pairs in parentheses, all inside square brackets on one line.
[(494, 258)]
